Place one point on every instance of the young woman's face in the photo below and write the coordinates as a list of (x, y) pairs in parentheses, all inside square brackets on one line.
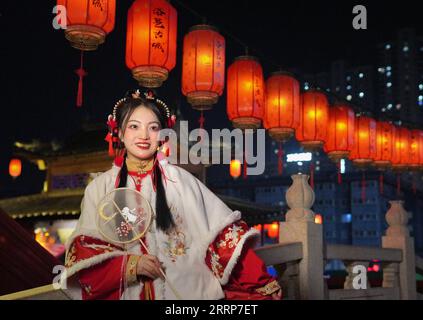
[(141, 134)]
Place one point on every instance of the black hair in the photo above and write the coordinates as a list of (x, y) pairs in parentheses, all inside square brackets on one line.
[(164, 220)]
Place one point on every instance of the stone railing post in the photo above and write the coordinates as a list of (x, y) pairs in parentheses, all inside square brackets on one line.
[(300, 227), (397, 237)]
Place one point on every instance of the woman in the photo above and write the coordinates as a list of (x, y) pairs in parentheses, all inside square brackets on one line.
[(203, 246)]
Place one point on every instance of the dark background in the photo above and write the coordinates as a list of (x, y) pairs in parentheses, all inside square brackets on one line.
[(38, 83)]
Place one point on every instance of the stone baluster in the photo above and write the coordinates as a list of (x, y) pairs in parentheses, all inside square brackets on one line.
[(300, 227), (397, 237)]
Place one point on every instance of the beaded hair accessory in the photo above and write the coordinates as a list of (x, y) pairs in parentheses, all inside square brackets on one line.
[(113, 134)]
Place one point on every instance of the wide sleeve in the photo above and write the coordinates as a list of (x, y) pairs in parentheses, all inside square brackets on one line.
[(103, 269), (250, 279)]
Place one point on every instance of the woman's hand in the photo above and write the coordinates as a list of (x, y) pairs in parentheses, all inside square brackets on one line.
[(277, 295), (149, 266)]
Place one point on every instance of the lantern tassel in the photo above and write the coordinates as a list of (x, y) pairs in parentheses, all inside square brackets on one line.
[(398, 184), (201, 121), (381, 183), (339, 172), (312, 175), (280, 159), (81, 74), (363, 187), (244, 168)]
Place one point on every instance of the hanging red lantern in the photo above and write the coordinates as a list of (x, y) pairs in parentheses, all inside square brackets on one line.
[(245, 93), (340, 136), (273, 230), (401, 158), (384, 144), (203, 66), (235, 168), (416, 150), (151, 41), (314, 117), (282, 106), (88, 22), (384, 148), (281, 109), (15, 168), (364, 149)]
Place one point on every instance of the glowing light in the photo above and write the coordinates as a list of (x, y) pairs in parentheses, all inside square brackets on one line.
[(299, 157), (318, 219)]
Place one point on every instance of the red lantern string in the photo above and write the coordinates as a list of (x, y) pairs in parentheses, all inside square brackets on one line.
[(363, 187), (398, 184), (280, 159), (312, 175), (338, 165), (81, 74), (381, 183)]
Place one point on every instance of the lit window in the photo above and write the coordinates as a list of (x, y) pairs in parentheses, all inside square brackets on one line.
[(383, 109), (349, 87), (328, 90), (337, 89), (381, 70), (389, 84), (388, 46), (420, 86), (360, 75), (388, 68), (398, 106), (388, 74), (420, 98), (389, 106), (420, 103), (361, 94), (342, 166), (405, 49), (349, 97), (306, 87), (317, 168), (348, 78), (299, 163)]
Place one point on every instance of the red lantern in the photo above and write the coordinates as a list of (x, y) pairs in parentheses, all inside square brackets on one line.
[(88, 22), (203, 66), (235, 168), (340, 136), (282, 109), (401, 158), (282, 106), (273, 230), (318, 219), (364, 149), (416, 149), (15, 167), (245, 93), (384, 144), (151, 41), (314, 116)]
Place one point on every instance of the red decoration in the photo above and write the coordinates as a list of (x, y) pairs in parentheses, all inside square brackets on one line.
[(340, 137), (314, 116), (273, 230), (203, 66), (384, 144), (364, 149), (151, 41), (235, 168), (282, 109), (416, 150), (401, 157), (15, 168), (88, 22), (245, 93)]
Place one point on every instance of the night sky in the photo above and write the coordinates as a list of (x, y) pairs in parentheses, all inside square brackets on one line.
[(39, 85)]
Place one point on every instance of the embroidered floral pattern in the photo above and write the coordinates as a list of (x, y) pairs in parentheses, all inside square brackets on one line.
[(269, 288), (221, 249), (176, 241)]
